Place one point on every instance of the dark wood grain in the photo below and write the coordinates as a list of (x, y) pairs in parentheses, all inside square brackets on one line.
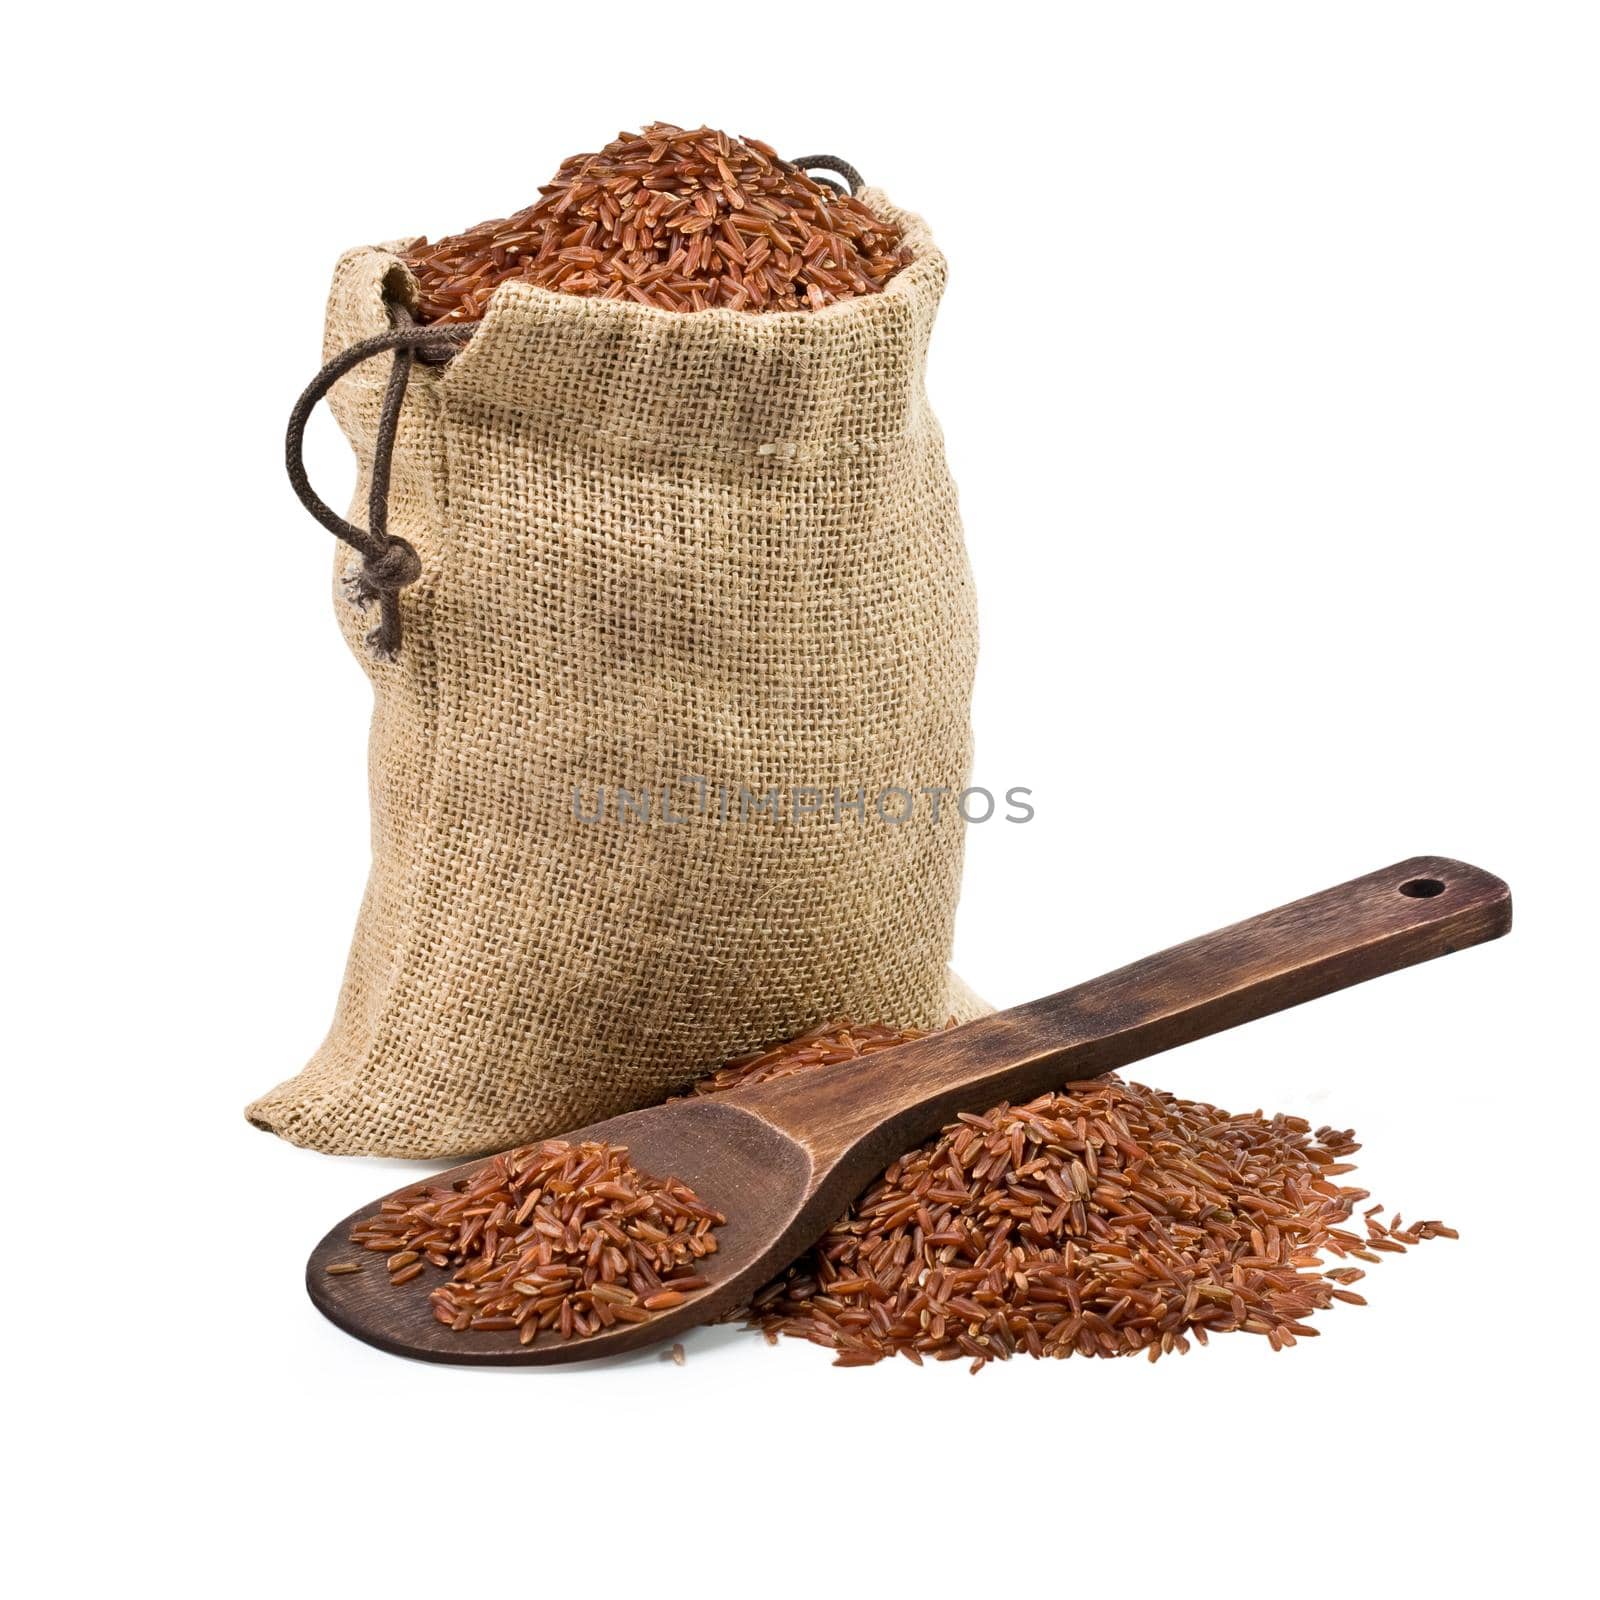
[(783, 1159)]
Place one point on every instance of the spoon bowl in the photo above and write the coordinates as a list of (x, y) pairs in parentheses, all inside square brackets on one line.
[(736, 1162)]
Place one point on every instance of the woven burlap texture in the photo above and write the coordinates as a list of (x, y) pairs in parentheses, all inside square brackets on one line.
[(655, 547)]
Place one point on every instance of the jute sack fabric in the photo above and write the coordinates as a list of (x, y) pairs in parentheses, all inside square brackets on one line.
[(696, 553)]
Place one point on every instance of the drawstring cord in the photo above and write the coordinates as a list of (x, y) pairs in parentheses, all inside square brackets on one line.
[(388, 562)]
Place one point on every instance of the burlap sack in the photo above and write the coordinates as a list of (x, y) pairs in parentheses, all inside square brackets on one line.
[(655, 548)]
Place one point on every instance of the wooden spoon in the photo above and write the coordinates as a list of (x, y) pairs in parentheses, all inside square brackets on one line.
[(782, 1160)]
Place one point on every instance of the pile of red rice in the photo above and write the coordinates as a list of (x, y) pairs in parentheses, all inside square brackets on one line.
[(683, 220), (1106, 1220)]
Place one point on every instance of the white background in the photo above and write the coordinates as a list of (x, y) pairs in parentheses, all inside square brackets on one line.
[(1268, 369)]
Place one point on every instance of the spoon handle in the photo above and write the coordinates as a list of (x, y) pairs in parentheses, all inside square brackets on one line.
[(1413, 911)]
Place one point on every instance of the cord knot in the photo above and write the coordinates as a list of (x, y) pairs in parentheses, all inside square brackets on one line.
[(395, 566)]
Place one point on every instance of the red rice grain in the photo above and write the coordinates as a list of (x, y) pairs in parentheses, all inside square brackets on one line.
[(683, 220)]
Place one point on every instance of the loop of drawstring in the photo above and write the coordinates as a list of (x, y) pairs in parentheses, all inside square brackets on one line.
[(388, 562), (814, 164)]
